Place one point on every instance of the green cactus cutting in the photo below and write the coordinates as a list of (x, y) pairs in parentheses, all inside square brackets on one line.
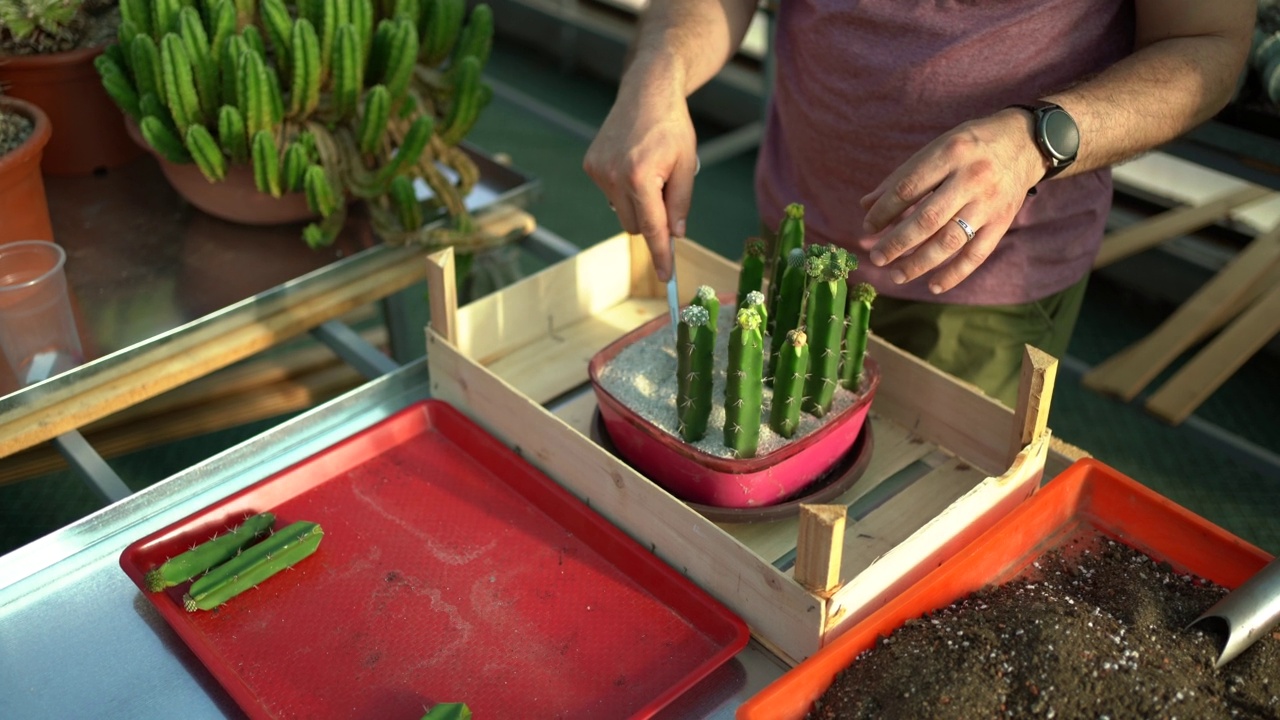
[(385, 89), (744, 385), (285, 548), (828, 270), (695, 361), (788, 384), (209, 553), (857, 328), (751, 276)]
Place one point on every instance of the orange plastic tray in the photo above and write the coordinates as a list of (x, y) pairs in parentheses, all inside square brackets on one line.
[(1089, 498), (451, 570)]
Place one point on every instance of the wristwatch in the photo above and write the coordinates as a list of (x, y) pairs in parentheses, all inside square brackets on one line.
[(1056, 133)]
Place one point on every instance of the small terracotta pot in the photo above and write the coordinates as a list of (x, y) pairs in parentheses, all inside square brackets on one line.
[(235, 199), (696, 476), (88, 128), (24, 211)]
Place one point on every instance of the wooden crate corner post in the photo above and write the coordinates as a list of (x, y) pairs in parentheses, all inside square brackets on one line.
[(1035, 391), (442, 293), (820, 546)]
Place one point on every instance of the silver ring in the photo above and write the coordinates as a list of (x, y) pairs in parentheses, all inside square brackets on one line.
[(968, 230)]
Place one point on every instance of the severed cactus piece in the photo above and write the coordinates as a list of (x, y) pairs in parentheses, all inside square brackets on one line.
[(695, 359), (855, 337), (705, 296), (744, 385), (788, 384), (751, 274), (285, 548), (208, 554), (788, 312), (828, 270)]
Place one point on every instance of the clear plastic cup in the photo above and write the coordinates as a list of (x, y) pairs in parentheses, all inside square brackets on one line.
[(37, 329)]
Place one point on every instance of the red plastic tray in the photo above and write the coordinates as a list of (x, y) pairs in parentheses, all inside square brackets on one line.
[(1087, 500), (451, 571)]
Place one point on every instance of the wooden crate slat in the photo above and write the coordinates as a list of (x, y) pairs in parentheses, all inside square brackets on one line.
[(557, 362)]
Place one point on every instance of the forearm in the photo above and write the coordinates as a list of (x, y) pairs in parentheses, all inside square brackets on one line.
[(1165, 88), (686, 42)]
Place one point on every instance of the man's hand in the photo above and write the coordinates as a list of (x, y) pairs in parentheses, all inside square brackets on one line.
[(644, 159), (979, 172)]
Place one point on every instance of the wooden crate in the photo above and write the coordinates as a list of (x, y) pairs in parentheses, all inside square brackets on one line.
[(962, 459)]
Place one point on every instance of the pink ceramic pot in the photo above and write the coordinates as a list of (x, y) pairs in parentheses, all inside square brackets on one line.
[(696, 476)]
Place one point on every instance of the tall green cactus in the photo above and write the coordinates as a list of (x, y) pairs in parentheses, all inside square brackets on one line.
[(857, 328), (828, 293), (744, 385), (790, 237), (788, 384), (695, 361), (788, 309), (751, 276), (221, 82)]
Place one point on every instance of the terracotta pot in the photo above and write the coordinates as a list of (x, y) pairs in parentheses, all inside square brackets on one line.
[(88, 128), (696, 476), (235, 199), (24, 212)]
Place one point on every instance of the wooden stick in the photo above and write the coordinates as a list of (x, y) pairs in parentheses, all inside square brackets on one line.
[(1035, 390), (1205, 373), (819, 547), (442, 290), (1172, 223), (1128, 372)]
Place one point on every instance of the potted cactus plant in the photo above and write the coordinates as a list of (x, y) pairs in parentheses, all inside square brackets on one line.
[(24, 133), (47, 49), (263, 112), (752, 406)]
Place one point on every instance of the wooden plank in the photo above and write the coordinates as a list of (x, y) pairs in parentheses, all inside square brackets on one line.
[(819, 547), (557, 363), (953, 527), (774, 605), (1035, 388), (1127, 373), (1172, 223), (152, 372), (1204, 374), (442, 293), (1164, 178)]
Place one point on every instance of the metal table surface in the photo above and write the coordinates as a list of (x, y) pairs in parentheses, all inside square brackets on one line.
[(77, 638)]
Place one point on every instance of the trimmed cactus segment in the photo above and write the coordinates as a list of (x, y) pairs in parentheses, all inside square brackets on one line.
[(788, 384), (744, 385), (284, 549), (828, 293), (208, 554), (857, 328), (705, 296), (751, 275), (695, 360)]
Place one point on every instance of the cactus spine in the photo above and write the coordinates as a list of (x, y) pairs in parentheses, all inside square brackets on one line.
[(751, 276), (695, 359), (744, 385), (827, 299), (208, 554), (855, 339), (285, 548), (788, 384)]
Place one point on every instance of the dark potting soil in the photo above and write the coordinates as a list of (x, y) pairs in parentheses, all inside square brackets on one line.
[(1095, 630)]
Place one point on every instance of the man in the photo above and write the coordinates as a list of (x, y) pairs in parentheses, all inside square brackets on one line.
[(960, 149)]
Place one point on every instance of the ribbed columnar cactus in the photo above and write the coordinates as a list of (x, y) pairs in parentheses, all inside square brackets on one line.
[(744, 385), (857, 327), (37, 27), (790, 237), (695, 362), (751, 275), (338, 99), (828, 270), (788, 309), (788, 384)]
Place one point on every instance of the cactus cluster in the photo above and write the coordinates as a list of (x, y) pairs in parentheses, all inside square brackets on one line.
[(338, 99), (14, 131), (808, 339), (37, 27)]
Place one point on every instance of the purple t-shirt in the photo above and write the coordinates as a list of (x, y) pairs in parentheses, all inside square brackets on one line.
[(861, 86)]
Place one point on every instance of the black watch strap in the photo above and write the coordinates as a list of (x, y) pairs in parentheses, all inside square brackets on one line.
[(1056, 135)]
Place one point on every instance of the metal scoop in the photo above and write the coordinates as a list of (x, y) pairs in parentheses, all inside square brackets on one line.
[(1248, 612)]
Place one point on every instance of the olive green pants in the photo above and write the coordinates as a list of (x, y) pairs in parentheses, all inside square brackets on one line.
[(981, 344)]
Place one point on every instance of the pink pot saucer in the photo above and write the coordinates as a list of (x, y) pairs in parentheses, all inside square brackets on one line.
[(831, 485), (699, 477)]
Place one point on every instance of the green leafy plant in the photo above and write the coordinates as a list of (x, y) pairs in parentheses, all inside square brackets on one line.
[(337, 99), (37, 27)]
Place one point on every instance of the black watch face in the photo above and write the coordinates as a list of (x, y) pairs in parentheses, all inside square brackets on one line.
[(1060, 135)]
